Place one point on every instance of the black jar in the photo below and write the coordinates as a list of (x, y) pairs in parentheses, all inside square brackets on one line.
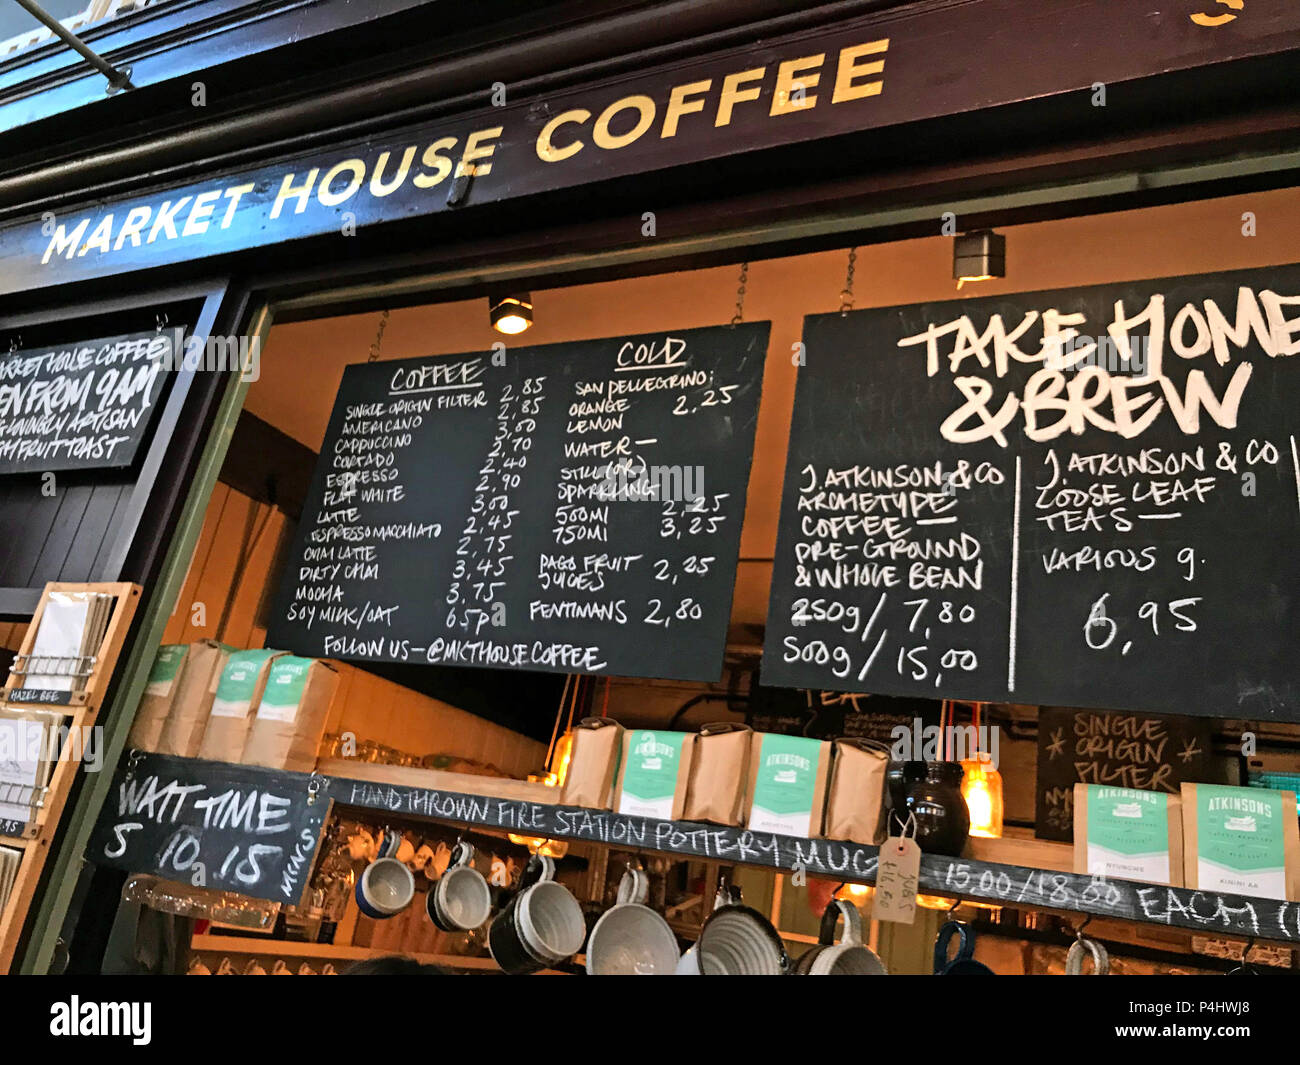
[(931, 793)]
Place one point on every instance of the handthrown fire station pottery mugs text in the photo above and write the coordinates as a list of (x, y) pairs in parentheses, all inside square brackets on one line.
[(460, 900), (631, 939), (541, 925)]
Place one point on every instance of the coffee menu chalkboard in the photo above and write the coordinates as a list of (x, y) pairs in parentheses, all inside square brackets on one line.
[(1084, 498), (82, 405), (570, 507)]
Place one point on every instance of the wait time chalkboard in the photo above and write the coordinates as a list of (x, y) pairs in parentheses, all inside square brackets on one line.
[(1087, 497), (568, 507)]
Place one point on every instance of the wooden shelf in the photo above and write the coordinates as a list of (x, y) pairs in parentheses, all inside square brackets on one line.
[(992, 873), (244, 946)]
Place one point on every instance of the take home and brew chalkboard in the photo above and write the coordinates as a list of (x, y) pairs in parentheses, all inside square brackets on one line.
[(226, 827), (82, 405), (569, 507), (1087, 497), (1150, 753)]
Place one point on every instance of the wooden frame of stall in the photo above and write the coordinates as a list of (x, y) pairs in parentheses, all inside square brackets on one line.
[(33, 841)]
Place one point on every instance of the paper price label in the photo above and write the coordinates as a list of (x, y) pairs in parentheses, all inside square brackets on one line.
[(897, 872)]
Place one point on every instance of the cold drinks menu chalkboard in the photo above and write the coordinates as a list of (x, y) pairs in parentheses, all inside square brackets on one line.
[(1087, 497), (570, 507)]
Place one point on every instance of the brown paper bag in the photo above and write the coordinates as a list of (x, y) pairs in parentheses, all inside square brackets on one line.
[(856, 806), (291, 715), (593, 763), (182, 734), (238, 692), (165, 680), (1247, 813), (719, 774), (1117, 849)]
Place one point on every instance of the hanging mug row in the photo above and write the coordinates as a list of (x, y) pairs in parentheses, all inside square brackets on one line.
[(542, 925)]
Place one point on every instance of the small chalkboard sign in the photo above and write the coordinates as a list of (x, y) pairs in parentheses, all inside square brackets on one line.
[(44, 696), (210, 824), (1121, 750), (82, 405), (828, 715)]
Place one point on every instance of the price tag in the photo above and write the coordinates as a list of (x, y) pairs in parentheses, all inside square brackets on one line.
[(897, 872)]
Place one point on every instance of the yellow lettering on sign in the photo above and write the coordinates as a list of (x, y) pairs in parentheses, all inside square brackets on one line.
[(645, 108), (547, 152), (378, 187), (1218, 20), (679, 105), (849, 70), (329, 197), (794, 78), (475, 150), (287, 189), (733, 94), (435, 157)]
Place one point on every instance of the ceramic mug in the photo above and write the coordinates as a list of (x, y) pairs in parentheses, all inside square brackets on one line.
[(385, 889), (631, 939), (1079, 949), (964, 963), (735, 941), (460, 900), (849, 957), (540, 926)]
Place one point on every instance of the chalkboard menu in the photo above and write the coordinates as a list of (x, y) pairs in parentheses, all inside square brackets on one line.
[(1116, 749), (569, 507), (1085, 498), (82, 405), (225, 827)]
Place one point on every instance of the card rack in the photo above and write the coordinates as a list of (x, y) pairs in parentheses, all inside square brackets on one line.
[(76, 711)]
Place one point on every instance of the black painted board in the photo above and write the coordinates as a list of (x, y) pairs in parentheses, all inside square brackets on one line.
[(1007, 885), (460, 512), (828, 715), (1144, 751), (1134, 546), (226, 827), (84, 404)]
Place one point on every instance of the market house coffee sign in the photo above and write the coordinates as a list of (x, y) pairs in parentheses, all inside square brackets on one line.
[(82, 405), (894, 67), (1085, 498)]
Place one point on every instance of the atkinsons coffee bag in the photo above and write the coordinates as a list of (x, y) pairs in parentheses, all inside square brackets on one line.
[(1128, 834), (1242, 841)]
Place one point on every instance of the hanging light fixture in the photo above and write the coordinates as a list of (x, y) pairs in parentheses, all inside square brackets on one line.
[(979, 256), (981, 787), (512, 313)]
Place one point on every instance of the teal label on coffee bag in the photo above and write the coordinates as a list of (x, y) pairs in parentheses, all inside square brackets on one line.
[(1240, 841), (785, 782), (166, 664), (650, 776), (239, 683), (1128, 834), (284, 688)]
